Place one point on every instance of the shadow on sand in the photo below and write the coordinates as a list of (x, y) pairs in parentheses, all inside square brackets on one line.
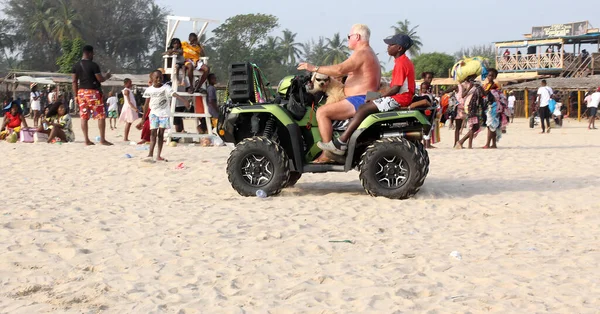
[(448, 188)]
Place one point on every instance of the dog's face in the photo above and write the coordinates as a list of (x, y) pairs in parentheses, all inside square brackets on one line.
[(320, 81)]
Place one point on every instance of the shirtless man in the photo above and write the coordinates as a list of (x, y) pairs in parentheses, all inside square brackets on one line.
[(364, 74)]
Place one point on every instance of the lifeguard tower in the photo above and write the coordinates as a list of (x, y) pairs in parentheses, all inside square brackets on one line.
[(553, 50), (198, 100)]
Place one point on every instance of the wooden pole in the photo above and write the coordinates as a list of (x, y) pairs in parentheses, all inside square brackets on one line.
[(568, 104), (526, 103), (562, 55), (578, 105)]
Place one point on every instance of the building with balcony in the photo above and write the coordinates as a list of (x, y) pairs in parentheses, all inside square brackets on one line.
[(554, 50)]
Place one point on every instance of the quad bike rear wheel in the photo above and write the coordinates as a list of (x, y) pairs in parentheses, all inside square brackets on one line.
[(294, 177), (532, 122), (258, 163), (423, 151), (392, 167)]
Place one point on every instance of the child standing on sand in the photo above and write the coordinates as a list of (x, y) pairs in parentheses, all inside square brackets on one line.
[(113, 110), (129, 113), (158, 97)]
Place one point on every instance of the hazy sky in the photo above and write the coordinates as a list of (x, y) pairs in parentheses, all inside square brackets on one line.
[(444, 26)]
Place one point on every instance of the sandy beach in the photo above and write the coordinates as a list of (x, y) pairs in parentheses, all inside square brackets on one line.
[(87, 230)]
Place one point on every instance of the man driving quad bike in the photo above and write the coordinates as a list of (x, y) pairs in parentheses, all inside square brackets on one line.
[(277, 142)]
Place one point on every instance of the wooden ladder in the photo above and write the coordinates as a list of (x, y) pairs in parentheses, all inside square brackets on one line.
[(196, 100)]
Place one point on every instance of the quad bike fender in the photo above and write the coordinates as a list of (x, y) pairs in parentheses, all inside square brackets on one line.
[(275, 110), (292, 145), (393, 115), (378, 118)]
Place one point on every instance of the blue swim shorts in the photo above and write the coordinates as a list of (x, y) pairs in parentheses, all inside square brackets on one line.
[(157, 122), (357, 100)]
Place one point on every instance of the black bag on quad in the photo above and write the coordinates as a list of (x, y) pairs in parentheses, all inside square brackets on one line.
[(297, 99)]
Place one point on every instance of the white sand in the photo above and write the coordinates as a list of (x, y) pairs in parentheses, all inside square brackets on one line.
[(86, 230)]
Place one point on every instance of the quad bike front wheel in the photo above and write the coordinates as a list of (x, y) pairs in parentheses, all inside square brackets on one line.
[(258, 163), (393, 168)]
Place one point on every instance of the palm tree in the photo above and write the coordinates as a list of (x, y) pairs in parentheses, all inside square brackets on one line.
[(289, 48), (319, 51), (66, 23), (40, 24), (337, 51), (403, 27), (272, 43), (155, 26), (6, 38)]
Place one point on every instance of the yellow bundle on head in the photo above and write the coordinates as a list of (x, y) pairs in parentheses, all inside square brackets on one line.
[(468, 67)]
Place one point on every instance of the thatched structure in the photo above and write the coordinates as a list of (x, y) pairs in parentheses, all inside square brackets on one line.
[(560, 83), (53, 78), (502, 79)]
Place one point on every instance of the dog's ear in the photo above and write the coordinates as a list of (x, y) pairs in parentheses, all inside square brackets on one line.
[(314, 76)]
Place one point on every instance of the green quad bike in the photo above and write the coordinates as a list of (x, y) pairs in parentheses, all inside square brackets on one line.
[(275, 143)]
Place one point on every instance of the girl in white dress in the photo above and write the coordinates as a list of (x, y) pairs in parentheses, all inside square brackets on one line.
[(129, 113)]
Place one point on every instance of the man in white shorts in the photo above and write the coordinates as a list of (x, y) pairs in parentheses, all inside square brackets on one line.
[(511, 105)]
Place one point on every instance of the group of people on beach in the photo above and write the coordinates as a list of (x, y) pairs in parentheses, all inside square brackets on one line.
[(470, 106), (478, 105), (87, 78), (54, 121)]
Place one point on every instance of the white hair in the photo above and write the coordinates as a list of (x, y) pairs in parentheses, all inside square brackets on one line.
[(363, 30)]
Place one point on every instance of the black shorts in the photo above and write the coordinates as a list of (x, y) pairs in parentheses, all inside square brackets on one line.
[(593, 111), (178, 120), (544, 112)]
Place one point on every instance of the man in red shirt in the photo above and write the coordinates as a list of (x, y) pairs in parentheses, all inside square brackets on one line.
[(400, 93)]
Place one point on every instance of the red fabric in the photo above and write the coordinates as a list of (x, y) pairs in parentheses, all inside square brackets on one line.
[(444, 101), (13, 121), (403, 75), (90, 104), (146, 127)]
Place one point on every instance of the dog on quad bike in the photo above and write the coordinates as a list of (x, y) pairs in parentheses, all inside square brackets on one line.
[(333, 88)]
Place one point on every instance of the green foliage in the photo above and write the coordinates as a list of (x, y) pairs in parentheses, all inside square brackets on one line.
[(486, 51), (72, 51), (438, 63), (289, 47), (128, 36), (242, 38), (337, 51), (124, 33), (314, 52)]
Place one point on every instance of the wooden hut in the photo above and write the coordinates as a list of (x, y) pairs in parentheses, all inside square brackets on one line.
[(571, 90)]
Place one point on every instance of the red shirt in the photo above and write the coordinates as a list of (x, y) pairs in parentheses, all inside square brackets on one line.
[(403, 75), (13, 121)]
